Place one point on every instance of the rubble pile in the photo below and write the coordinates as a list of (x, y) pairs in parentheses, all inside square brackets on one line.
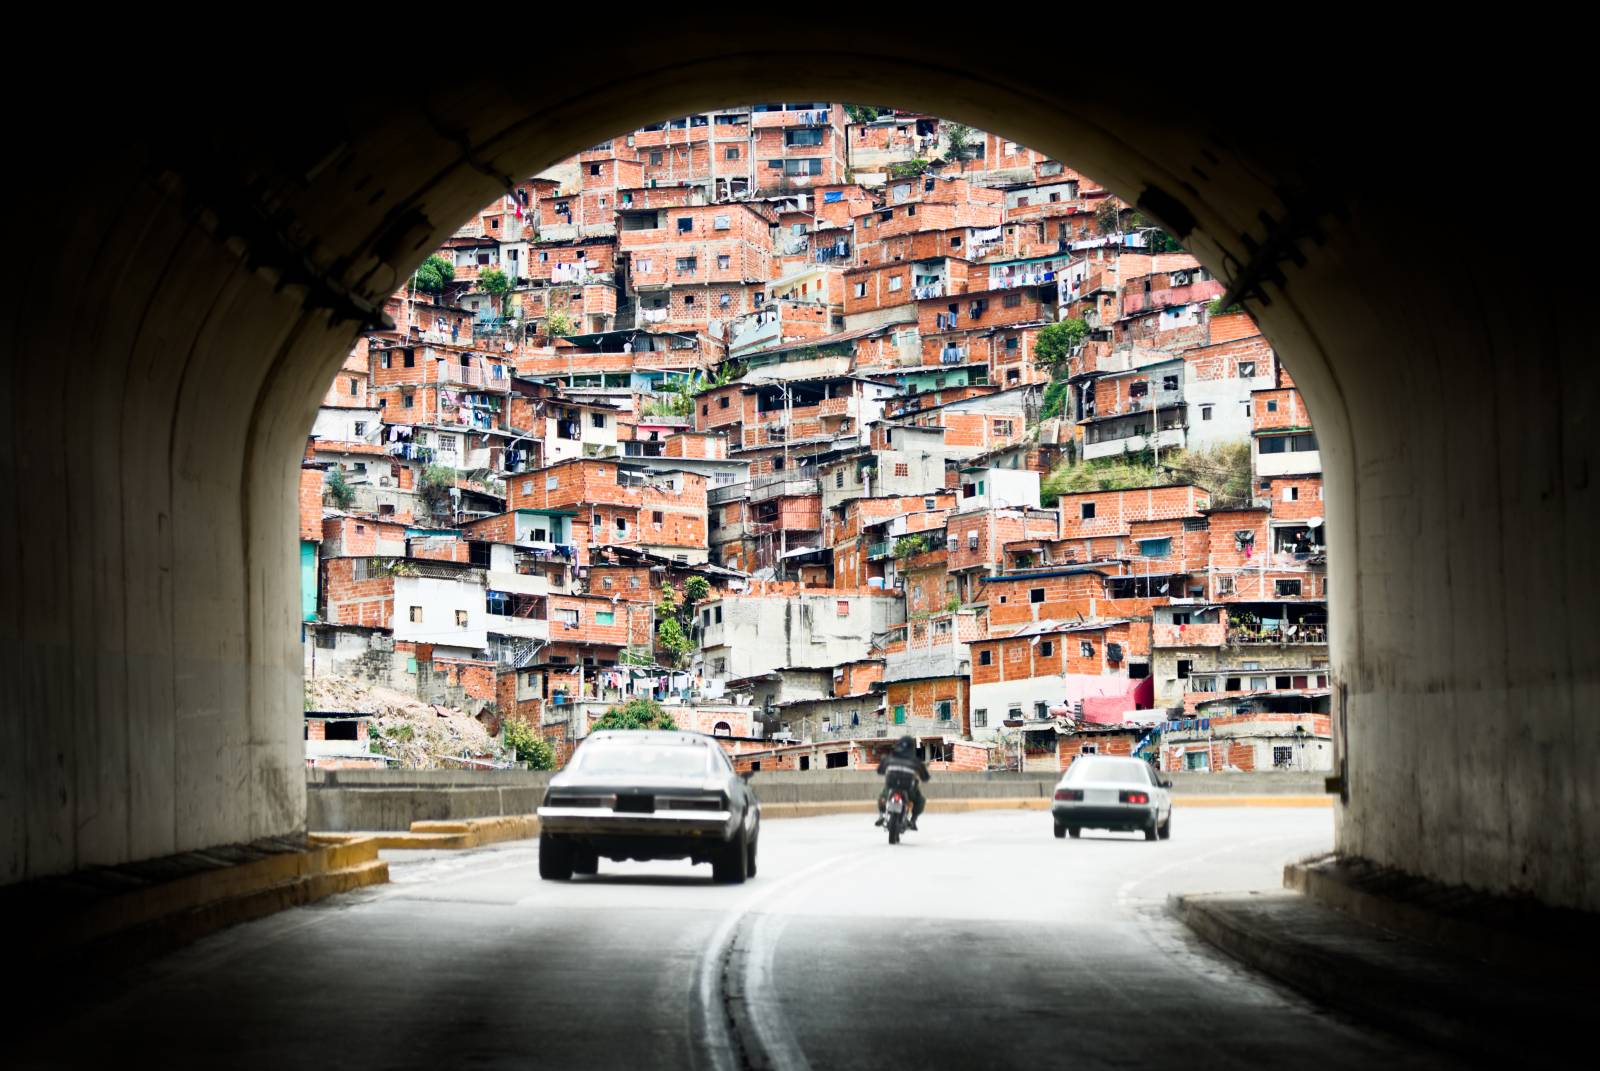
[(416, 735)]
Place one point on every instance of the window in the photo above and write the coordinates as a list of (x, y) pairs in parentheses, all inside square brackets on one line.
[(1046, 649), (1202, 684), (655, 158), (569, 618), (408, 400), (842, 607), (980, 718), (802, 137), (1169, 383), (1155, 548), (656, 518), (1247, 369), (722, 403), (1014, 713), (1184, 666), (1291, 494), (946, 709), (731, 153), (361, 428), (1205, 412), (1041, 710), (895, 283), (1036, 594), (722, 223), (605, 617), (802, 167), (986, 657), (1197, 760), (622, 524), (1086, 511), (416, 615), (723, 261), (1012, 301), (1272, 406), (1287, 588), (1086, 648), (838, 479), (687, 263), (461, 619), (899, 714), (1224, 585)]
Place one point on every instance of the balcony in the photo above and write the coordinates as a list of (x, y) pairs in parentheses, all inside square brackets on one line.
[(1286, 635), (784, 484), (471, 376), (880, 550), (730, 492), (833, 407)]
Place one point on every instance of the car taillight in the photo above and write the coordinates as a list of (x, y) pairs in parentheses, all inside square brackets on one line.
[(1134, 797), (1069, 794)]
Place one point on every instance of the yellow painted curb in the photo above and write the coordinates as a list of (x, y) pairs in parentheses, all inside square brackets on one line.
[(1252, 801), (444, 835), (174, 912)]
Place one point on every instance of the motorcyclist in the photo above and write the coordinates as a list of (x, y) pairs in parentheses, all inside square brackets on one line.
[(903, 759)]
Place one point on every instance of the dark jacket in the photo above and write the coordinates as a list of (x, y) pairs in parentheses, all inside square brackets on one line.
[(909, 763)]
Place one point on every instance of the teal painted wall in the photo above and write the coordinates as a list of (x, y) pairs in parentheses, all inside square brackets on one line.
[(308, 580)]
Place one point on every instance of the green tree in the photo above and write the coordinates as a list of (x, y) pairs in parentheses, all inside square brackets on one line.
[(493, 281), (1057, 342), (668, 606), (339, 489), (862, 113), (907, 546), (1055, 399), (696, 589), (524, 740), (670, 639), (435, 486), (434, 274), (636, 714), (963, 143), (1108, 217), (558, 324)]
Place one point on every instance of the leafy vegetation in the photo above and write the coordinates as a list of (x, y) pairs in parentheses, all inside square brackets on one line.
[(963, 142), (493, 281), (434, 275), (1056, 343), (636, 714), (557, 324), (1223, 470), (1216, 308), (530, 748), (907, 546), (1108, 217), (1055, 399), (435, 487), (863, 113), (909, 168), (696, 589), (338, 489), (674, 404)]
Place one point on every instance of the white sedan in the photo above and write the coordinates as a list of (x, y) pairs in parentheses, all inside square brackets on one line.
[(1102, 792)]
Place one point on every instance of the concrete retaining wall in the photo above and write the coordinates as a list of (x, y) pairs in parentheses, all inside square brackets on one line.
[(342, 800)]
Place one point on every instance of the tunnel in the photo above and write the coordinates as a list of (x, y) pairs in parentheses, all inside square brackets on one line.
[(185, 279)]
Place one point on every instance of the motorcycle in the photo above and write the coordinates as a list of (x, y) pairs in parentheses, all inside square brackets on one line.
[(897, 810)]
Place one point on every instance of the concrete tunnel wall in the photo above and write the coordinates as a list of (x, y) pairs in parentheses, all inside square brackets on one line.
[(185, 291)]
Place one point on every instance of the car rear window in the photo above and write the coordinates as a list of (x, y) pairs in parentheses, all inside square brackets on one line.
[(1106, 771), (644, 760)]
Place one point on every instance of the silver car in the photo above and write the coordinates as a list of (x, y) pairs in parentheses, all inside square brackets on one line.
[(1103, 792), (648, 795)]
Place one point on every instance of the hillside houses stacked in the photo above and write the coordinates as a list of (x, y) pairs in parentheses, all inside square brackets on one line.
[(782, 359)]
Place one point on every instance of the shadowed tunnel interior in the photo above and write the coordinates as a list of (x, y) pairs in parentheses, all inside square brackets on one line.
[(185, 284)]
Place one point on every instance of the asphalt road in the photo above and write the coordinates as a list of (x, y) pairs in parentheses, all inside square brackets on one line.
[(981, 941)]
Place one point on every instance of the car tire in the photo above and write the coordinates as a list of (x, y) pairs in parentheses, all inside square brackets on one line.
[(1150, 830), (1074, 832), (1061, 831), (731, 865), (1166, 827), (555, 858), (586, 862), (750, 862)]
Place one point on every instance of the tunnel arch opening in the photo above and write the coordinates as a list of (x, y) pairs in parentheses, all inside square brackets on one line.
[(280, 245)]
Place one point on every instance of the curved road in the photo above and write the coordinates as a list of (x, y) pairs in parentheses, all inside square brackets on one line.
[(979, 942)]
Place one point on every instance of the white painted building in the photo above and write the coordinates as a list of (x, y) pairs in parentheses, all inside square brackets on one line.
[(745, 636), (998, 488), (445, 612)]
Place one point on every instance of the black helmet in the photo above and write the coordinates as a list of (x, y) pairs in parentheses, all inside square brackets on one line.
[(905, 745)]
